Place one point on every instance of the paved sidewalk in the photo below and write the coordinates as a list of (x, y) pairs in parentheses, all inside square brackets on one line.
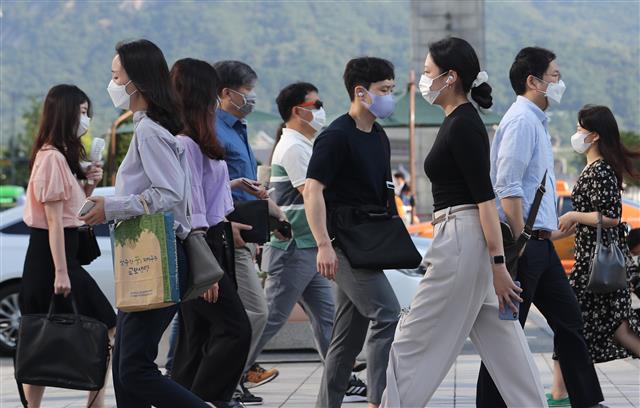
[(298, 383)]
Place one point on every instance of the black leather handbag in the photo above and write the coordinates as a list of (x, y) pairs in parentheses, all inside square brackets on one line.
[(61, 350), (608, 267), (514, 246), (88, 249), (374, 237), (256, 214)]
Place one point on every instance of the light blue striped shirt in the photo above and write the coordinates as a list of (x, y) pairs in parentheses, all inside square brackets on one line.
[(154, 168), (521, 151)]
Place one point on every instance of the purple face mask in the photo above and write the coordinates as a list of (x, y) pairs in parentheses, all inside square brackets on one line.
[(382, 106)]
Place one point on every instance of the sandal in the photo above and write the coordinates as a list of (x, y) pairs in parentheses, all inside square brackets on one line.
[(564, 402)]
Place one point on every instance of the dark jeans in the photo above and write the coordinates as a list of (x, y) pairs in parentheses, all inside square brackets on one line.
[(136, 379), (544, 283)]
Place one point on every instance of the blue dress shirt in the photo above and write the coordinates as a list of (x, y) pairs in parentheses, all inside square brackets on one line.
[(521, 151), (232, 134)]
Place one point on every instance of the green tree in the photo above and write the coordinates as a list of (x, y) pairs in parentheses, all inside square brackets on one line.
[(15, 156)]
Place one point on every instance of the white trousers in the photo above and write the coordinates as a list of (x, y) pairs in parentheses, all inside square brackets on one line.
[(456, 300)]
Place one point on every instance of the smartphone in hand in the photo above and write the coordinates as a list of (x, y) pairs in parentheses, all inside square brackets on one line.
[(250, 184), (283, 227), (508, 313), (86, 207)]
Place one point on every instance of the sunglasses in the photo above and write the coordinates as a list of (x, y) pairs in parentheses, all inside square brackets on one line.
[(317, 104)]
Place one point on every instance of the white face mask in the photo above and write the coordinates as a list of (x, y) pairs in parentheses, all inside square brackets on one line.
[(425, 88), (119, 95), (319, 118), (83, 126), (555, 90), (578, 142)]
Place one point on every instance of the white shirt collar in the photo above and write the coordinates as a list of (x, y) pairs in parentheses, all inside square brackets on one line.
[(288, 132)]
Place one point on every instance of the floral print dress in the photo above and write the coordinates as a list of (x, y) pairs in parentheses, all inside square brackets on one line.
[(597, 190)]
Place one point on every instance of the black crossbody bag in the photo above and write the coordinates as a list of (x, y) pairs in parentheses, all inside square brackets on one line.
[(512, 246), (374, 237)]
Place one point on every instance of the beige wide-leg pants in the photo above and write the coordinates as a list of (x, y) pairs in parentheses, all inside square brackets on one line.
[(456, 300)]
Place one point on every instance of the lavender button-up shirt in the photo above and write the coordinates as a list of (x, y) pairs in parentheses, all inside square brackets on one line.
[(210, 189)]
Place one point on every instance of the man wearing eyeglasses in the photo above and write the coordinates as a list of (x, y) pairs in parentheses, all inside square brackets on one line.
[(290, 265), (521, 153)]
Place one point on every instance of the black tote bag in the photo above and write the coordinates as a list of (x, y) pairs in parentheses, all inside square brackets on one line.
[(61, 350)]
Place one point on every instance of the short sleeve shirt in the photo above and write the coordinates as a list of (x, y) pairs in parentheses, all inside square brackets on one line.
[(351, 164), (288, 172), (51, 180), (458, 163)]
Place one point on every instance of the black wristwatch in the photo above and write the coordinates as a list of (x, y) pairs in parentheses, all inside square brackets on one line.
[(497, 260)]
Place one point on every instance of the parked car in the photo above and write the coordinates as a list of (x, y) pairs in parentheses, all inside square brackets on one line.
[(14, 239), (566, 246)]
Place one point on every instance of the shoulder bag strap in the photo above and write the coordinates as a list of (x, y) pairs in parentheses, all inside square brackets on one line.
[(391, 195), (599, 231), (535, 206), (23, 397)]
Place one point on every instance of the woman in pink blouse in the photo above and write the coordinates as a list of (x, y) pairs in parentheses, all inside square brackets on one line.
[(57, 189)]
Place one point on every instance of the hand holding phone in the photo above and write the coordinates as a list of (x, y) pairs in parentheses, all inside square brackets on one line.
[(282, 226), (510, 314), (254, 185), (86, 207)]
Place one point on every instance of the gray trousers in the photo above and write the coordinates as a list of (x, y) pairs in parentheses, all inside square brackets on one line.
[(251, 293), (364, 301), (456, 299), (292, 277)]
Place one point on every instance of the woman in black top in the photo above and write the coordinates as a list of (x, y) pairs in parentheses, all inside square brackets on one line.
[(466, 280)]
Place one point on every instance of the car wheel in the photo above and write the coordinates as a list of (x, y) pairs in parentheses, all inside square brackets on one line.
[(9, 317)]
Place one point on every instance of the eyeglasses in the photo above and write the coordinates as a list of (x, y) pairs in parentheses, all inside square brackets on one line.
[(317, 104)]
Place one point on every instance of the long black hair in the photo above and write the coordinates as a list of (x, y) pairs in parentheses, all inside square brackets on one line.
[(196, 84), (600, 119), (455, 54), (59, 125), (147, 69)]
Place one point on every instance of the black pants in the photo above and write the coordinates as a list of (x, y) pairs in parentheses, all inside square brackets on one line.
[(136, 379), (214, 338), (545, 284)]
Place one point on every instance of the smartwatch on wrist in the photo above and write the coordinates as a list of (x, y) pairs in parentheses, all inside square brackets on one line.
[(497, 260)]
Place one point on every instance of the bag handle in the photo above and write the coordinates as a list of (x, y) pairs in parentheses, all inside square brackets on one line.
[(52, 303), (143, 201)]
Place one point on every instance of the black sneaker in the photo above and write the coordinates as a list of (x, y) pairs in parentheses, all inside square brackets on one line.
[(229, 404), (356, 391), (244, 396)]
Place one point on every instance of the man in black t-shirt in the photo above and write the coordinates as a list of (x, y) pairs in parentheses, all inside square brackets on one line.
[(348, 168)]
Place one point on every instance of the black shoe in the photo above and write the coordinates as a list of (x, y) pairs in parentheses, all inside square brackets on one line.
[(228, 404), (356, 391), (244, 396), (599, 406)]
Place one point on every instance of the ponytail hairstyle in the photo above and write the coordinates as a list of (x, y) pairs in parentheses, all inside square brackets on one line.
[(59, 126), (456, 54), (600, 119), (147, 68), (196, 85)]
